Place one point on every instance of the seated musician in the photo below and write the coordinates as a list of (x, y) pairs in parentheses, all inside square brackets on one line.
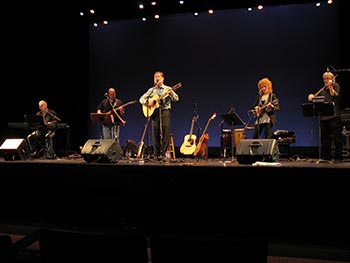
[(41, 140)]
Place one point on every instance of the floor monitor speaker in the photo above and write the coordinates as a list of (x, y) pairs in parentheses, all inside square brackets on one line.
[(101, 151), (253, 150), (14, 149)]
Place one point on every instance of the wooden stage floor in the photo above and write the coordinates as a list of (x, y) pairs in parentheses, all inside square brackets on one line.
[(291, 200)]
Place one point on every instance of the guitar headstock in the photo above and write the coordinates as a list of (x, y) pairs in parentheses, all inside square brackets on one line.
[(176, 86), (213, 116)]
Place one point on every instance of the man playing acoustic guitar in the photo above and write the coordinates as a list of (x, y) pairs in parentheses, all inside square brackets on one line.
[(156, 102)]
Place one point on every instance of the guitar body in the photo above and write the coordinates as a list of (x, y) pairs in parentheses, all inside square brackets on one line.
[(202, 145), (148, 110), (258, 113), (189, 145)]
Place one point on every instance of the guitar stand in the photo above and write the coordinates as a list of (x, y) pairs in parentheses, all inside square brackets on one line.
[(146, 151), (203, 157)]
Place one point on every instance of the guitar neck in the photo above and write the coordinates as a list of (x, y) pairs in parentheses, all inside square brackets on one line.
[(165, 94), (192, 125), (125, 104), (265, 106), (201, 144), (205, 130)]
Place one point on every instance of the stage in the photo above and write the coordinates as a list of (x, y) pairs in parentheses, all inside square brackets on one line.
[(191, 194), (291, 200)]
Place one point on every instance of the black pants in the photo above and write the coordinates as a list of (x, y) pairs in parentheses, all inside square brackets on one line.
[(161, 126), (264, 128), (331, 130), (41, 143)]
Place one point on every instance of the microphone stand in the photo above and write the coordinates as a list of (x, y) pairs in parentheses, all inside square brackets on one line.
[(258, 117), (160, 132), (195, 112), (231, 111), (116, 126), (149, 151)]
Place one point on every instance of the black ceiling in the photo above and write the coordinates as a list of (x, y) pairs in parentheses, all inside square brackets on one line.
[(107, 9)]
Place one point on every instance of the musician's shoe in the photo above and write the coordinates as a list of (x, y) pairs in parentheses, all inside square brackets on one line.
[(34, 155), (51, 156)]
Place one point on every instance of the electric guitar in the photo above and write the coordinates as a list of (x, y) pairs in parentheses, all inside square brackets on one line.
[(203, 141), (189, 144), (148, 110)]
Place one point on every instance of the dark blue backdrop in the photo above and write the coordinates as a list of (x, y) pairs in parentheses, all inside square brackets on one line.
[(219, 59)]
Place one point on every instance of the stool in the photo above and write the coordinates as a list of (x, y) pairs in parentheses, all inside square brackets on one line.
[(171, 147)]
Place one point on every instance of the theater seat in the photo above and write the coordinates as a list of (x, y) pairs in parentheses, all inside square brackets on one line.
[(189, 249), (77, 246)]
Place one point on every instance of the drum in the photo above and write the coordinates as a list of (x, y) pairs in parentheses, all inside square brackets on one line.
[(238, 135), (226, 139)]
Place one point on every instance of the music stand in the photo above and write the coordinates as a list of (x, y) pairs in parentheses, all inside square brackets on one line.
[(232, 119), (103, 118), (318, 108), (34, 121)]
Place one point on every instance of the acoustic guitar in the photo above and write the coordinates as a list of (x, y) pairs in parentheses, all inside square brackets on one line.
[(262, 109), (189, 144), (203, 141), (155, 99)]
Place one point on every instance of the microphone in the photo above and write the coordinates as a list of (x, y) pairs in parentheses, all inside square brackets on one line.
[(261, 91), (106, 94)]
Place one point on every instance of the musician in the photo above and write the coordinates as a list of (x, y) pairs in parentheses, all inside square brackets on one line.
[(111, 104), (161, 117), (265, 106), (331, 126), (44, 134)]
